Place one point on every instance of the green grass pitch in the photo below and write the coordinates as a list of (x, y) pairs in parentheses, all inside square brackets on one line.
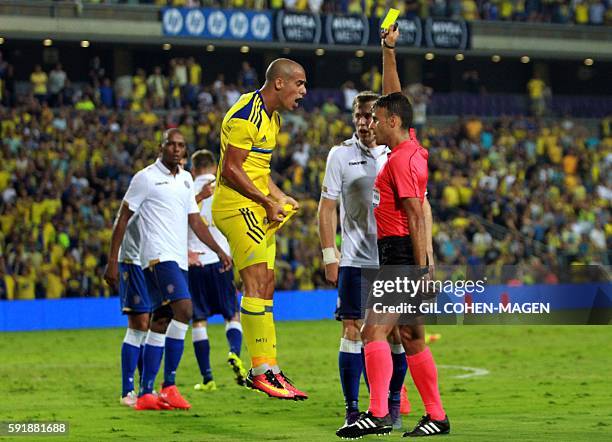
[(544, 383)]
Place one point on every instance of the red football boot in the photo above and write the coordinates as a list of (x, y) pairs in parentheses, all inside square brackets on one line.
[(172, 397), (267, 383), (150, 401), (288, 384)]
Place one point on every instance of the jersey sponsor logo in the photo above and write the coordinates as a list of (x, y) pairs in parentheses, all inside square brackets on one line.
[(161, 183), (357, 163)]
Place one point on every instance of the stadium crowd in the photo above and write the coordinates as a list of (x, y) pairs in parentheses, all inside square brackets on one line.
[(541, 189), (582, 12)]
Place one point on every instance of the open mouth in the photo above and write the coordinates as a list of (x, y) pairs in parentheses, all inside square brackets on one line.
[(298, 101)]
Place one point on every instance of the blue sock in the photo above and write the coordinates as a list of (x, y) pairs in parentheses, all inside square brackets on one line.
[(201, 347), (175, 344), (233, 333), (400, 367), (151, 361), (351, 366), (365, 375), (140, 359), (130, 351)]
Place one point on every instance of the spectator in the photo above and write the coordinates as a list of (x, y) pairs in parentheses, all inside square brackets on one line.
[(247, 77), (107, 97), (536, 88), (372, 79), (157, 86), (57, 82), (349, 92), (597, 11), (38, 79)]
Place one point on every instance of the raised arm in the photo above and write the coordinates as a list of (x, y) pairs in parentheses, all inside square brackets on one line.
[(391, 81)]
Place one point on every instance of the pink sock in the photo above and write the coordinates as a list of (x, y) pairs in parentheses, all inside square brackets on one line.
[(425, 375), (379, 367)]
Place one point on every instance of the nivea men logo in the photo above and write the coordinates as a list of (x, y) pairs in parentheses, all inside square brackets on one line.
[(301, 27), (347, 29)]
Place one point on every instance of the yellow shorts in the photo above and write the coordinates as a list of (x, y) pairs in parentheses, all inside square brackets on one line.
[(251, 238)]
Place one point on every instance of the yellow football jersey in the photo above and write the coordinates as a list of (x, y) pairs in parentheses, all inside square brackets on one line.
[(247, 125)]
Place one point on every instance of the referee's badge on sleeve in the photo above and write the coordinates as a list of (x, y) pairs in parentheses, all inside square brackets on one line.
[(375, 197)]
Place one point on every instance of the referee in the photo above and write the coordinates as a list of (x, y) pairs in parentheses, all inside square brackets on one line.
[(402, 230)]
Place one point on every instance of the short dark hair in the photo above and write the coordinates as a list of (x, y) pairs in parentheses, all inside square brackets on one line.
[(202, 158), (364, 97), (397, 104)]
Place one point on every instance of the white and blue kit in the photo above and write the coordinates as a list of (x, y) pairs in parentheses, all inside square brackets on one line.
[(163, 202), (133, 292), (212, 291), (349, 176)]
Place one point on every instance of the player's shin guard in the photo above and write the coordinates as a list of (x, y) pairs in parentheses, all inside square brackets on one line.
[(130, 353), (175, 344), (425, 375), (252, 313), (152, 356), (201, 348), (350, 364), (379, 366), (233, 333)]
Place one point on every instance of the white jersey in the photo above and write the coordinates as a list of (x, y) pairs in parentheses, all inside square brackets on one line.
[(206, 255), (349, 175), (129, 252), (163, 202)]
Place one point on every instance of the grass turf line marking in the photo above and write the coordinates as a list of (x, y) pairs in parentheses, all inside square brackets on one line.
[(473, 371)]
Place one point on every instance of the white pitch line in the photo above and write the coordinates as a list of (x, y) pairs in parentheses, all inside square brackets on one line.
[(472, 371)]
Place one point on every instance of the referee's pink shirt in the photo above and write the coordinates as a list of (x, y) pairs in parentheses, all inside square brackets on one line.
[(403, 176)]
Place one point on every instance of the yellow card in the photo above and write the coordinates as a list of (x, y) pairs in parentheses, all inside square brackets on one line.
[(390, 18)]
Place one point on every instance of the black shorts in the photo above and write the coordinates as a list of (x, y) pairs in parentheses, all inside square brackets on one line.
[(395, 289)]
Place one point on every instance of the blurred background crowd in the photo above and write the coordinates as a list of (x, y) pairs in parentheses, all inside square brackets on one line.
[(527, 191), (582, 12)]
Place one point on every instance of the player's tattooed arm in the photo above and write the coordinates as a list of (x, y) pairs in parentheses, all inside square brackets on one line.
[(111, 273), (391, 81)]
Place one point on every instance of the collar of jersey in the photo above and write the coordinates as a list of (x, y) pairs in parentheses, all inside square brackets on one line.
[(365, 149), (263, 104), (164, 169)]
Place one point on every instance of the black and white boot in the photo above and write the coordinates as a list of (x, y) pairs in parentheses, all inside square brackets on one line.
[(366, 424), (429, 427)]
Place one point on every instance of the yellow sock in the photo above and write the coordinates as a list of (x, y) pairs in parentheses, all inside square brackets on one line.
[(270, 333), (253, 318)]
